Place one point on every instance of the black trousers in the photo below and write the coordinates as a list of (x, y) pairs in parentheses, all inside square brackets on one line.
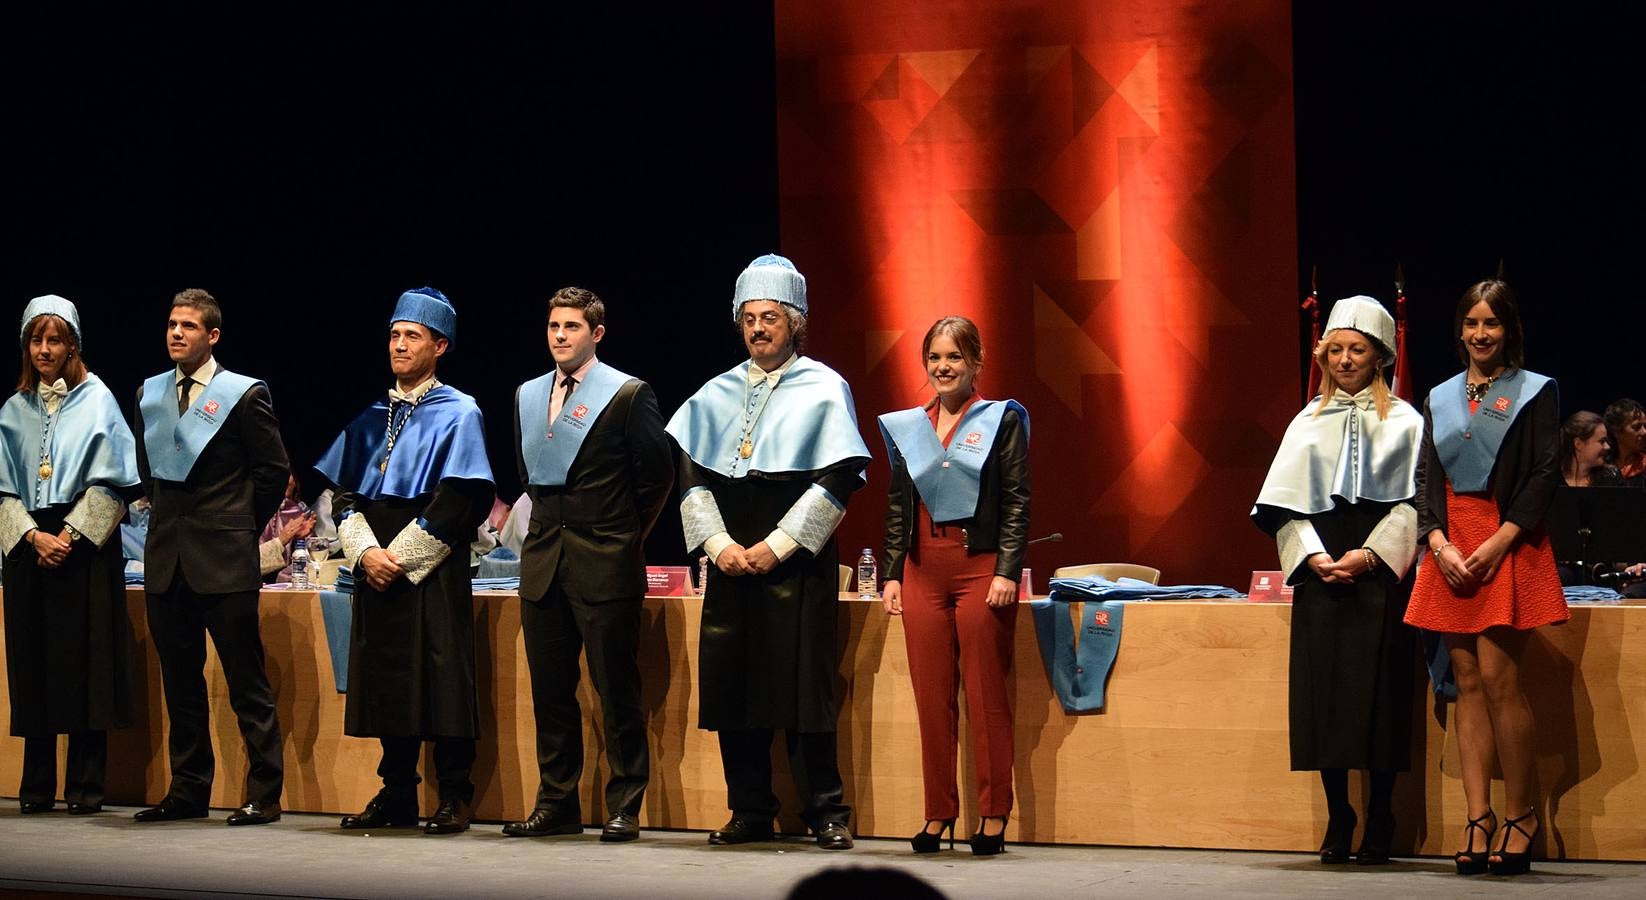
[(453, 763), (747, 757), (83, 778), (558, 629), (179, 620)]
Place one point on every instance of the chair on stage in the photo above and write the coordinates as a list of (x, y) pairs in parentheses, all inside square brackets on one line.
[(846, 574), (1111, 571)]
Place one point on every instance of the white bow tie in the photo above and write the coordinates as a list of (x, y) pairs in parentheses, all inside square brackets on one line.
[(413, 395), (56, 390)]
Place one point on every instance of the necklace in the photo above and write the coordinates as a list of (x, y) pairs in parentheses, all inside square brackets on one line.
[(1477, 392), (745, 448), (394, 430)]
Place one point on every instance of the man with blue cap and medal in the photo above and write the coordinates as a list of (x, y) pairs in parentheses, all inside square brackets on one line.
[(770, 453), (593, 458), (68, 465), (412, 484), (214, 468)]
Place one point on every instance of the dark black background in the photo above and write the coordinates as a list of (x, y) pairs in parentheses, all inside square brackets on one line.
[(307, 166)]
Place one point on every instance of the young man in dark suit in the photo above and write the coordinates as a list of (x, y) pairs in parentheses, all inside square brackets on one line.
[(212, 463), (591, 451)]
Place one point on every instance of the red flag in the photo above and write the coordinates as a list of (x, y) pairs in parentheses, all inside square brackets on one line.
[(1312, 304), (1402, 387)]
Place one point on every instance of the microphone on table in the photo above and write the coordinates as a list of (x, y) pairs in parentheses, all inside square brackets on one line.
[(1053, 538)]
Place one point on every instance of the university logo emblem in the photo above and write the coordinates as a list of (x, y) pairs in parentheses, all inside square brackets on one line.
[(974, 438), (581, 411), (1502, 404), (210, 407), (1101, 617)]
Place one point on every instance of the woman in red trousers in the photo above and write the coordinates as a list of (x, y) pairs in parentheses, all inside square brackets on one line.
[(957, 524), (1486, 474)]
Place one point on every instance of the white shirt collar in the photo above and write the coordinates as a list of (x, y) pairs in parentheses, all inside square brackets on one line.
[(202, 376), (581, 374), (757, 374), (415, 393)]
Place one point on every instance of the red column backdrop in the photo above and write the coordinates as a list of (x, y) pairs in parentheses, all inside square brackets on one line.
[(1108, 190)]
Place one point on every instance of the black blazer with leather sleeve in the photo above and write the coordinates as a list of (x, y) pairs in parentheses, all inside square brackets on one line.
[(1001, 522), (590, 533), (1523, 479), (205, 528)]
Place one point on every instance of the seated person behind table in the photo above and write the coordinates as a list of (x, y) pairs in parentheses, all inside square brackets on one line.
[(1583, 446), (1626, 425), (293, 521)]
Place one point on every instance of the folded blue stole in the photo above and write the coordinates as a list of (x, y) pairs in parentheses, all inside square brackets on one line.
[(549, 450), (90, 444), (948, 478), (1080, 675), (443, 438), (1468, 444), (174, 443)]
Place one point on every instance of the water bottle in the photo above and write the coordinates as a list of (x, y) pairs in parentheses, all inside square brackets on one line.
[(300, 568), (868, 579)]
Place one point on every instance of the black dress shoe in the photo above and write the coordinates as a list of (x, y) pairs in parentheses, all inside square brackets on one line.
[(33, 807), (834, 836), (1375, 844), (84, 809), (741, 831), (452, 817), (619, 828), (170, 810), (255, 813), (382, 813), (542, 823)]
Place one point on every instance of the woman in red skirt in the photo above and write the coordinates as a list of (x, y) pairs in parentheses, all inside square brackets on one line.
[(957, 524), (1486, 475)]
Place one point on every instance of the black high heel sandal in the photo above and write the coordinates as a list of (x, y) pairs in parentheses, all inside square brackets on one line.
[(1468, 861), (1340, 834), (1516, 863), (989, 844), (930, 842)]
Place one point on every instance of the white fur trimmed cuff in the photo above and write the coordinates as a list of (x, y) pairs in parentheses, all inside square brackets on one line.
[(700, 517), (813, 518), (96, 514), (15, 522), (1298, 541), (357, 538), (419, 552)]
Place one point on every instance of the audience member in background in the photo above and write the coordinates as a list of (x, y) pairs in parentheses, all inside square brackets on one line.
[(1583, 447), (1626, 425), (1488, 472), (957, 526), (68, 463), (293, 521), (1338, 500)]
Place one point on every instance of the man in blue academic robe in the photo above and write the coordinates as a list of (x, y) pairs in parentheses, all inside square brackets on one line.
[(412, 484)]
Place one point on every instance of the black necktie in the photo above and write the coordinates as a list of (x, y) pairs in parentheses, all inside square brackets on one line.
[(183, 394), (569, 384)]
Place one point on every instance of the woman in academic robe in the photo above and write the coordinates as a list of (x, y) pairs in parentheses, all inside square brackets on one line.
[(957, 525), (68, 466), (1338, 501), (1486, 477)]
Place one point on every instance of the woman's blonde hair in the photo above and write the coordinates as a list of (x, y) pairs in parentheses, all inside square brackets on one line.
[(1380, 388)]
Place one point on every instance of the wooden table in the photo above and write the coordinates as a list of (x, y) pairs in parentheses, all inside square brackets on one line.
[(1191, 750)]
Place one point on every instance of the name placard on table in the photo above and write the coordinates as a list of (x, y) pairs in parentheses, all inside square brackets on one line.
[(669, 581), (1269, 587)]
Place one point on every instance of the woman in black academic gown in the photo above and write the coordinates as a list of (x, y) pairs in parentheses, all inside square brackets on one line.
[(1338, 500), (68, 465)]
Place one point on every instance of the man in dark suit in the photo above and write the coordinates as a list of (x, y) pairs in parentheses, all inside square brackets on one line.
[(597, 466), (212, 463)]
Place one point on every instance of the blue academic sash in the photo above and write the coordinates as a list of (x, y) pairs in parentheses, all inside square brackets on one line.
[(549, 450), (1079, 676), (1468, 444), (91, 444), (444, 438), (174, 443), (948, 478)]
